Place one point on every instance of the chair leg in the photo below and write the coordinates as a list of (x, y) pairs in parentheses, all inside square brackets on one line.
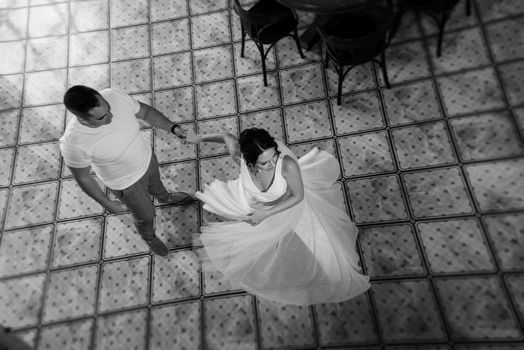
[(441, 25), (468, 7), (340, 71), (295, 36), (263, 58), (243, 42), (384, 69), (326, 63)]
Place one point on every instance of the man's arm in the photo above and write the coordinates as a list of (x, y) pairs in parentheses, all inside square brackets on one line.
[(88, 184), (157, 119)]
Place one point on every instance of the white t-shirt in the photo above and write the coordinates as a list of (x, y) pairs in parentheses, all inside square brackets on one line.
[(118, 152)]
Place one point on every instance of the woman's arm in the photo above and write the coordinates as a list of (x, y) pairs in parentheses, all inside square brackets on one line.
[(229, 140), (293, 195)]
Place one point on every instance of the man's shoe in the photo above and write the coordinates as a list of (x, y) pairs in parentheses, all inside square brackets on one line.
[(178, 198), (158, 247)]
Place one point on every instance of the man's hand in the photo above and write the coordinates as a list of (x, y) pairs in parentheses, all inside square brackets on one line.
[(115, 207), (180, 133)]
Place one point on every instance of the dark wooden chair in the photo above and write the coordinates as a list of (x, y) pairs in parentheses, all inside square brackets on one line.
[(439, 10), (266, 23), (357, 38)]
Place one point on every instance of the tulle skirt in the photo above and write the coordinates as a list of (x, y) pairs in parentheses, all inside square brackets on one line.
[(303, 255)]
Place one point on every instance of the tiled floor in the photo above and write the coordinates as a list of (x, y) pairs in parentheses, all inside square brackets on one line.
[(432, 172)]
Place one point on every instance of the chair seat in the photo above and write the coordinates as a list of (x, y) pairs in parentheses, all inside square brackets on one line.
[(280, 21)]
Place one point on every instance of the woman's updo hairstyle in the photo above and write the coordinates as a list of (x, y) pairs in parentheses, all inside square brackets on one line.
[(253, 142)]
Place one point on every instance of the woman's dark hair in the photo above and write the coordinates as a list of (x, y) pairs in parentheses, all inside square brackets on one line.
[(253, 142), (81, 98)]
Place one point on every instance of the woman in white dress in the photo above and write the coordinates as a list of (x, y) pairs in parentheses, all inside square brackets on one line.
[(287, 239)]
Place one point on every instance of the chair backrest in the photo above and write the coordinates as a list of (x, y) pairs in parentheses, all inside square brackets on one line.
[(357, 47)]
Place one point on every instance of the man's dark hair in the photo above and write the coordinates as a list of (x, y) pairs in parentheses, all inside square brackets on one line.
[(253, 142), (81, 98)]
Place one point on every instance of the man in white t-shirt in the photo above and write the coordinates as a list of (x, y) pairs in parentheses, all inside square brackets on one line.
[(105, 136)]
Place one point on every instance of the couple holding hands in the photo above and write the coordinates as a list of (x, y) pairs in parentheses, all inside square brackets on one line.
[(284, 237)]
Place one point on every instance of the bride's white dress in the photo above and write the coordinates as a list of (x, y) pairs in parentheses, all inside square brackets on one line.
[(303, 255)]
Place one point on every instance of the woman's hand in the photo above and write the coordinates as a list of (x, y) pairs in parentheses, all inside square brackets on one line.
[(257, 217)]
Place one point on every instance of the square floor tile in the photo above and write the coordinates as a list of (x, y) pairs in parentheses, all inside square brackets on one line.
[(437, 192), (360, 78), (271, 120), (176, 104), (129, 12), (357, 112), (288, 55), (89, 48), (121, 331), (390, 251), (404, 62), (13, 56), (54, 82), (302, 83), (423, 145), (376, 199), (9, 127), (170, 37), (516, 289), (70, 335), (175, 327), (74, 202), (505, 38), (455, 246), (470, 92), (348, 322), (37, 202), (122, 237), (21, 300), (499, 9), (46, 53), (77, 242), (413, 102), (510, 74), (172, 71), (175, 277), (307, 121), (179, 176), (11, 90), (131, 76), (37, 163), (96, 77), (48, 20), (167, 9), (506, 232), (7, 157), (252, 94), (211, 29), (216, 99), (230, 323), (213, 64), (324, 145), (202, 6), (408, 28), (284, 326), (365, 154), (41, 124), (407, 312), (124, 284), (214, 281), (228, 124), (71, 293), (169, 148), (221, 168), (251, 63), (460, 50), (130, 42), (477, 308), (497, 185), (486, 136), (25, 251), (89, 15), (14, 24), (176, 225)]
